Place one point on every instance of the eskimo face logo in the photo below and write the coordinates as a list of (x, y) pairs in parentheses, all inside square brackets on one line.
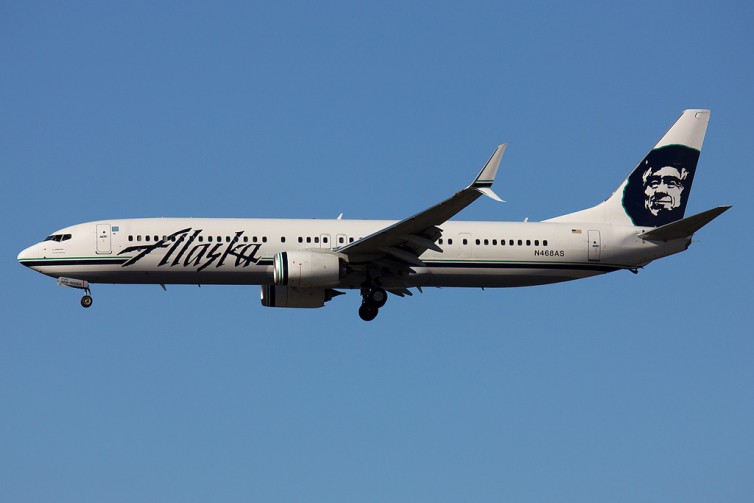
[(663, 188), (658, 189)]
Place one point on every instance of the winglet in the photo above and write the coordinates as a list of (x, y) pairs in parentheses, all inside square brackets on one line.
[(486, 177)]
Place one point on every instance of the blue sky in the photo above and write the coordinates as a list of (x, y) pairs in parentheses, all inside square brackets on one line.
[(619, 388)]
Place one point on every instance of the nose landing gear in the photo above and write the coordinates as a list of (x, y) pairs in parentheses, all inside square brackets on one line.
[(373, 298), (86, 300), (81, 284)]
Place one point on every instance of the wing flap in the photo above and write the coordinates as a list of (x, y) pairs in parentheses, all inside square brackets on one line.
[(403, 255), (422, 242)]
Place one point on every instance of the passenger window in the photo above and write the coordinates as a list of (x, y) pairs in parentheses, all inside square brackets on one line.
[(450, 241), (264, 239), (138, 238), (147, 238), (465, 241), (536, 242), (350, 240), (324, 240), (544, 243), (316, 240), (300, 239), (520, 243), (130, 238), (282, 239), (246, 239), (439, 242), (477, 242), (340, 240), (201, 239), (209, 238), (528, 242), (486, 242), (308, 239)]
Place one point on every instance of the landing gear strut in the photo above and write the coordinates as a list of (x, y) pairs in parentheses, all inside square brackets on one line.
[(86, 300), (373, 298)]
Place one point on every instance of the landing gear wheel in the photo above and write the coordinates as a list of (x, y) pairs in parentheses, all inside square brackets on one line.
[(378, 297), (368, 311), (86, 301)]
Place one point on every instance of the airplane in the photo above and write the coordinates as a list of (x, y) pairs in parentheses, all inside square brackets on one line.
[(305, 263)]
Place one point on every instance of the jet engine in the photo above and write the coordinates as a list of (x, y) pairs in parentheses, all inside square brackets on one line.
[(283, 296), (302, 269)]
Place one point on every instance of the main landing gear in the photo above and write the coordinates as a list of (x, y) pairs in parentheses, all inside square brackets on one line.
[(86, 300), (373, 298)]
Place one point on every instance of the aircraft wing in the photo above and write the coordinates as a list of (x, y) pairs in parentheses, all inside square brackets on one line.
[(396, 248)]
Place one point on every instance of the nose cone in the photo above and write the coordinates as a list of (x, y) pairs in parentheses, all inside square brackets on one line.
[(26, 255)]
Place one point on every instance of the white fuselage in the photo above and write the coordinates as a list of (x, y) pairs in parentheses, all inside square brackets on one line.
[(240, 251)]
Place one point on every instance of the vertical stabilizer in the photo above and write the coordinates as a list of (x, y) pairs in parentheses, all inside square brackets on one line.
[(657, 190)]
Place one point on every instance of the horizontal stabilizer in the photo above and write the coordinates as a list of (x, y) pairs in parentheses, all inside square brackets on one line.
[(685, 227)]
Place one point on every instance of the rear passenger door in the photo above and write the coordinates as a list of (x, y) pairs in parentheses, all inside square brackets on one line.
[(595, 246)]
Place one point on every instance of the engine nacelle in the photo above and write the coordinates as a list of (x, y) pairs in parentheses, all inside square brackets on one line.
[(303, 269), (283, 296)]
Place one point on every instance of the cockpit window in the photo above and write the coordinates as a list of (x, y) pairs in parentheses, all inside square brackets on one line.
[(58, 237)]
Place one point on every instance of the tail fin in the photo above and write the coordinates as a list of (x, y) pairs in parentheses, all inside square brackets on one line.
[(657, 190)]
